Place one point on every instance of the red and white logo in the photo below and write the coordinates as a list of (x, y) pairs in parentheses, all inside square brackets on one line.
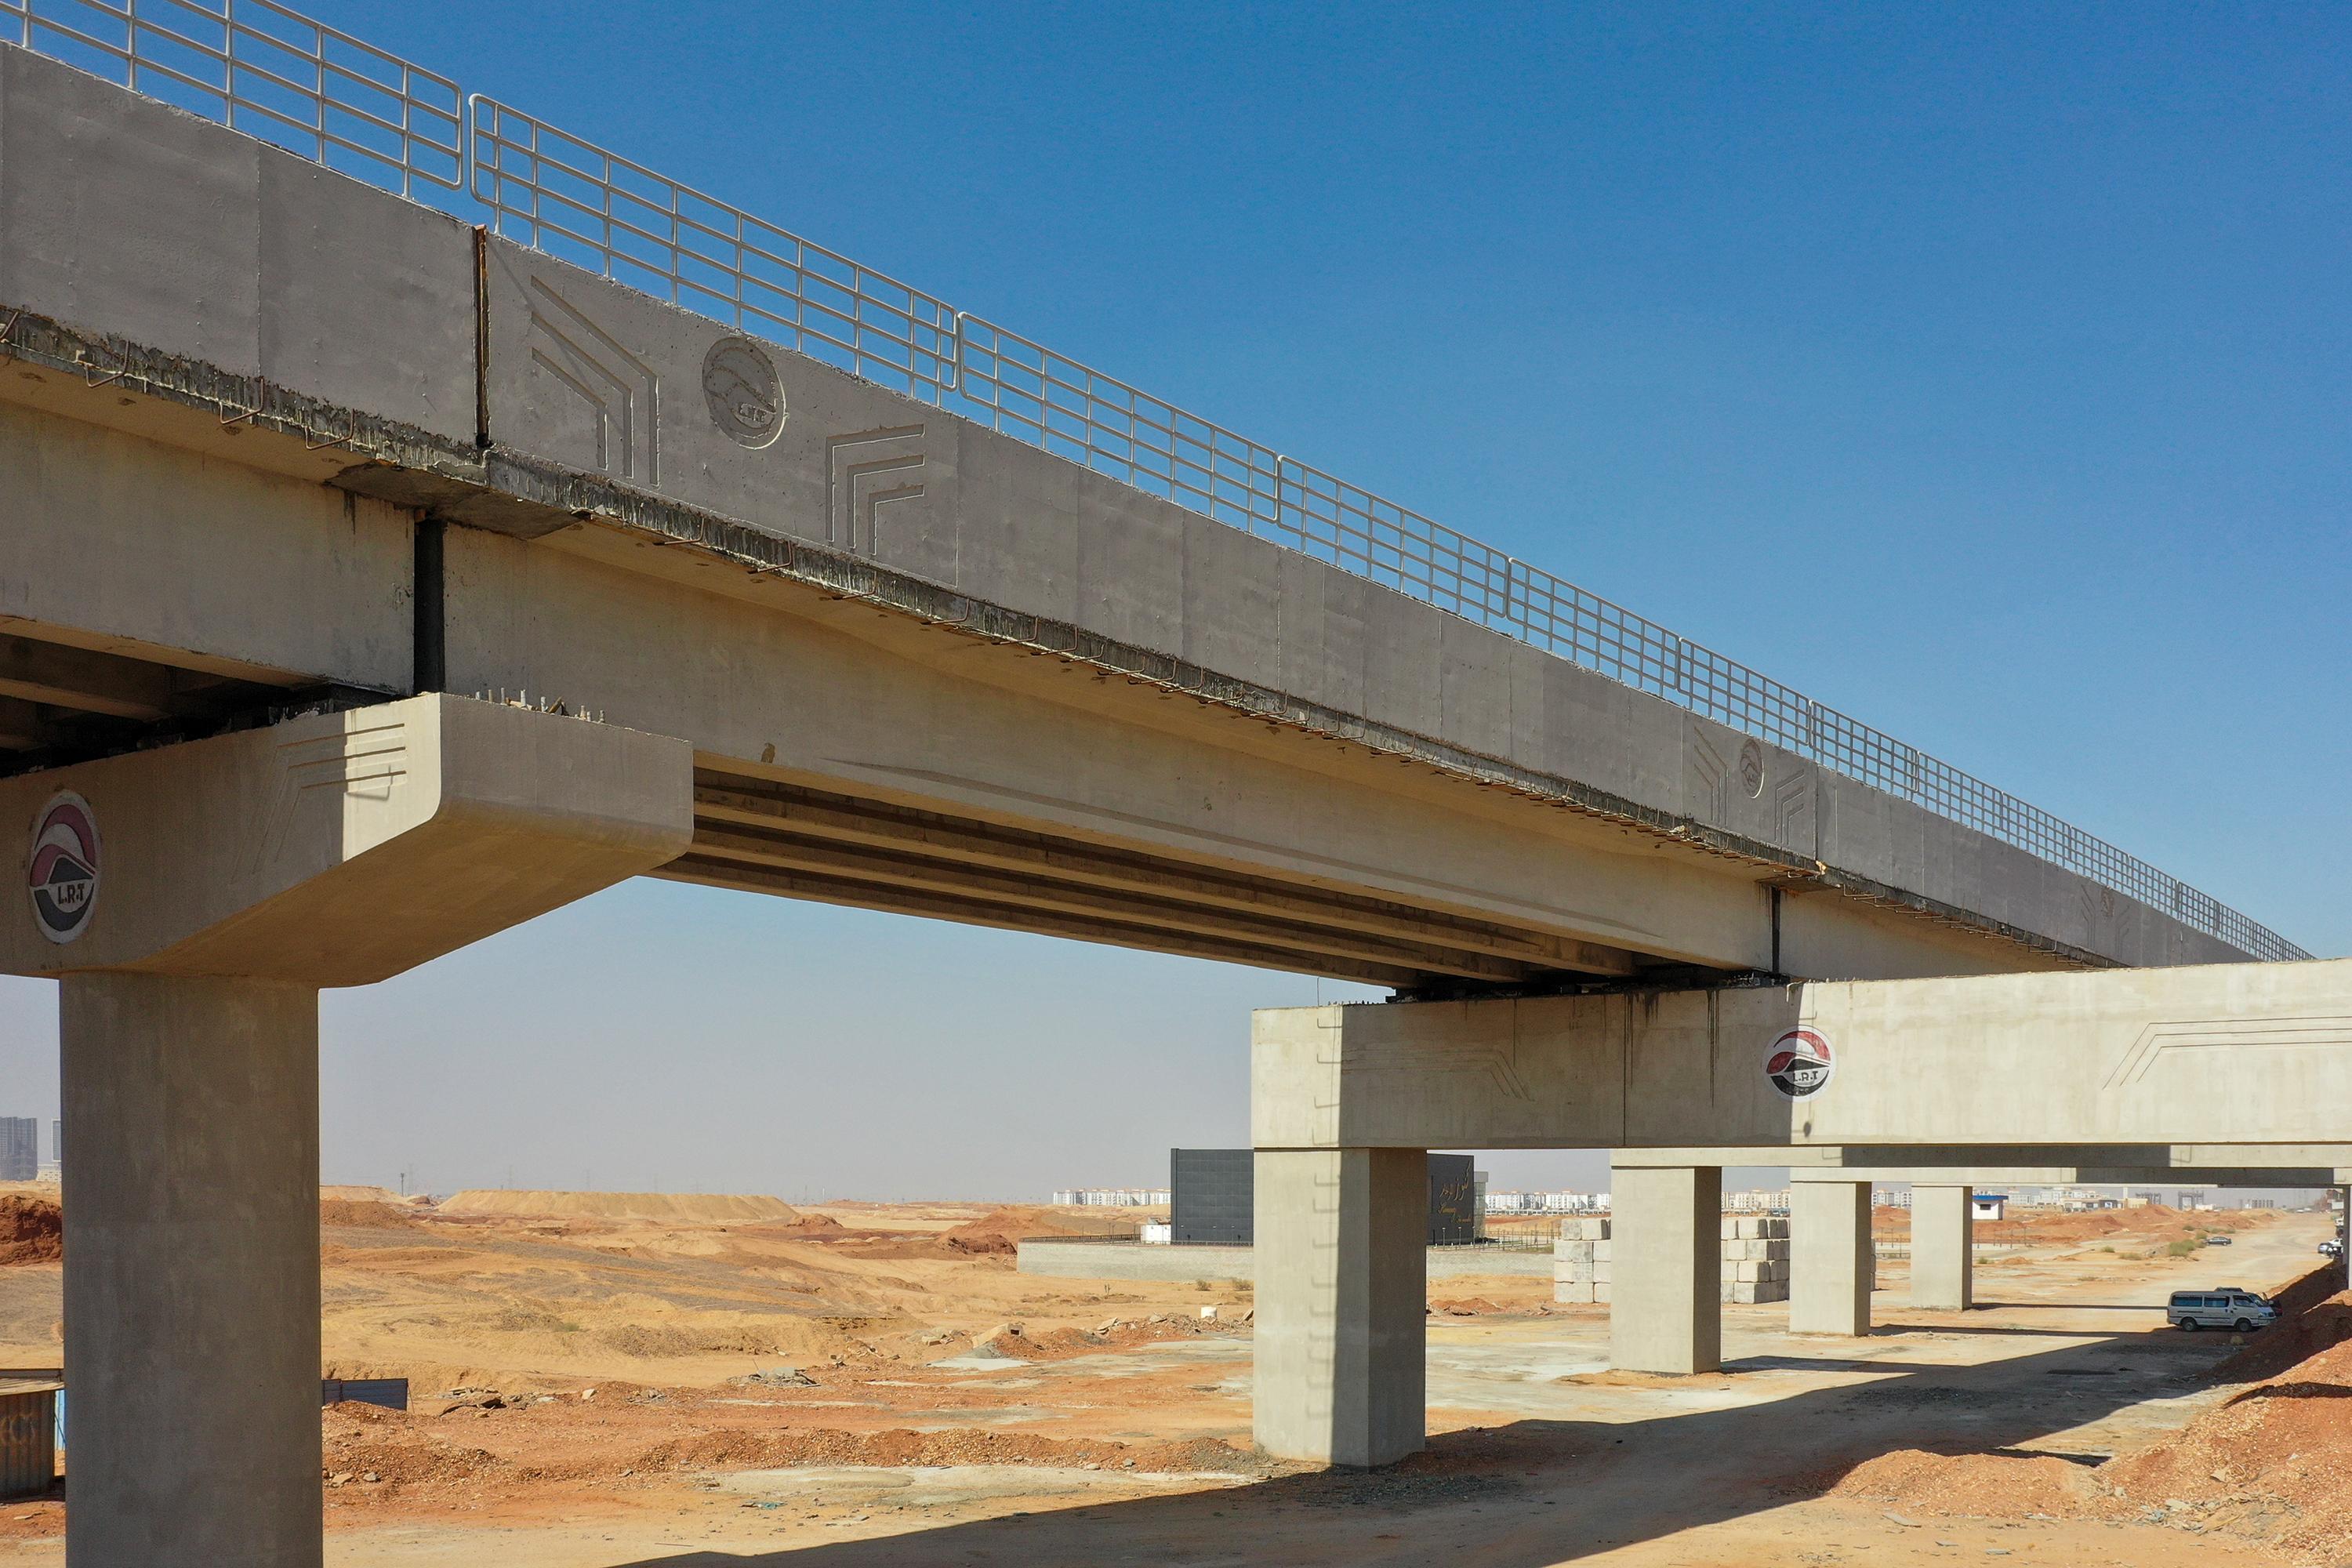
[(1800, 1064), (63, 873)]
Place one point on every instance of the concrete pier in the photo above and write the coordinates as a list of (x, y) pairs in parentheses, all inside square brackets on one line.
[(1834, 1266), (192, 1285), (1666, 1313), (1943, 1266), (1340, 1300), (219, 885)]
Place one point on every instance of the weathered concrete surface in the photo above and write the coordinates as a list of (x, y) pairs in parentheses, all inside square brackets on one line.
[(1098, 1260), (1337, 1365), (133, 219), (1666, 1313), (342, 848), (1834, 1266), (125, 544), (192, 1285), (1943, 1263), (2242, 1065)]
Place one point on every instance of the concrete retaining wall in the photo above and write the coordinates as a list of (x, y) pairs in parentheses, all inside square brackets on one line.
[(1135, 1260)]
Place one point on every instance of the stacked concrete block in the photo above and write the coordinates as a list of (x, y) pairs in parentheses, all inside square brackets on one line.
[(1755, 1259), (1579, 1262)]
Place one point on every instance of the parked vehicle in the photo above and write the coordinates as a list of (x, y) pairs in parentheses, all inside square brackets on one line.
[(2331, 1249), (2217, 1241), (2226, 1306)]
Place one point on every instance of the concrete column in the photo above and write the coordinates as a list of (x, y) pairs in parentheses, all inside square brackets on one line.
[(1665, 1287), (1831, 1264), (1943, 1260), (191, 1278), (1341, 1239)]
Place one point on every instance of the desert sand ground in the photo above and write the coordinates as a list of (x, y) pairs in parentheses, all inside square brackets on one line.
[(858, 1385)]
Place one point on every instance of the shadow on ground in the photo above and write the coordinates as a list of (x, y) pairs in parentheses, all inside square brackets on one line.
[(1537, 1492)]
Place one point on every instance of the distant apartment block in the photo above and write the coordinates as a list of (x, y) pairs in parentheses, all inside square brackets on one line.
[(1547, 1202), (1110, 1198), (20, 1148)]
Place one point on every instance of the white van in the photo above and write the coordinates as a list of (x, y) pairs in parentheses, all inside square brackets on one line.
[(2226, 1308)]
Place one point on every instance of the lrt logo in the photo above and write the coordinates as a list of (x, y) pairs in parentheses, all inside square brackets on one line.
[(1800, 1064), (63, 874)]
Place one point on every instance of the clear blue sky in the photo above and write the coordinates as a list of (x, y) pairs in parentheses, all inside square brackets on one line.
[(1982, 371)]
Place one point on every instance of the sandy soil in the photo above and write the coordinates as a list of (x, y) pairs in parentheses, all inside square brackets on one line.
[(862, 1385)]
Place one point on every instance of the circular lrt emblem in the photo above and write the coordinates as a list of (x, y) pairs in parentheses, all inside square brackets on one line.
[(1751, 768), (746, 399), (1800, 1064), (63, 871)]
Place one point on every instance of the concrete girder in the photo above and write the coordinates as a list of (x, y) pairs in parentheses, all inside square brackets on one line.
[(857, 893), (828, 858), (199, 896), (809, 813), (89, 682)]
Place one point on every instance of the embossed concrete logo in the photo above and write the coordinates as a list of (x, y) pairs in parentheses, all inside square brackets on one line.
[(1800, 1064), (746, 398), (1751, 768), (63, 873)]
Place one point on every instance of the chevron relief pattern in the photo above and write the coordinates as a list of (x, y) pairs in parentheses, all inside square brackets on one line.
[(2161, 1039), (867, 470), (1715, 777), (368, 763), (620, 391)]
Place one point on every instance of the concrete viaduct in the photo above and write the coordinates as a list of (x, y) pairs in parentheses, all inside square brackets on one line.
[(369, 581)]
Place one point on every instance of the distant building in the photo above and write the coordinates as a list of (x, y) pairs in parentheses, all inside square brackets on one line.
[(1214, 1193), (1989, 1205), (1110, 1198), (1544, 1203), (57, 1141), (20, 1148)]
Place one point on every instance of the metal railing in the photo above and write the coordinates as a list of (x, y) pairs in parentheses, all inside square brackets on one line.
[(580, 203), (257, 66), (272, 73)]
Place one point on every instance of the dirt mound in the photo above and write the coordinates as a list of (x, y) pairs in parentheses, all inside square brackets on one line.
[(2312, 1317), (366, 1214), (2276, 1461), (673, 1208), (999, 1230), (32, 1230), (359, 1193), (1463, 1307), (372, 1449), (1974, 1485), (2275, 1464)]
